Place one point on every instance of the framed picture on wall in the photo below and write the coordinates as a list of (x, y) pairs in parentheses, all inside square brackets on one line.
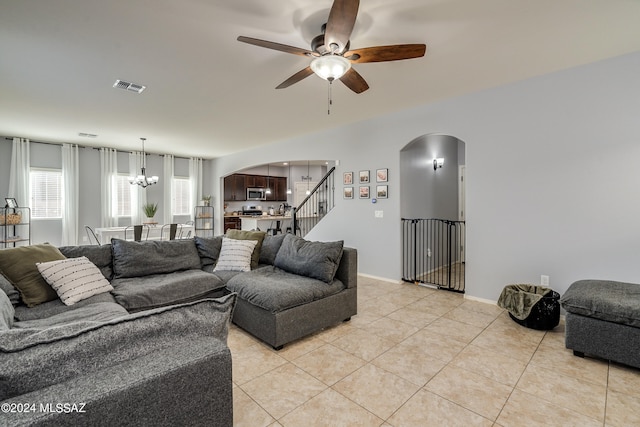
[(364, 177), (382, 191), (364, 192), (347, 178), (382, 175), (347, 193)]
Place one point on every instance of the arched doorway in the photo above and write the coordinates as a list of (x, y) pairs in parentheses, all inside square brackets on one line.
[(432, 211)]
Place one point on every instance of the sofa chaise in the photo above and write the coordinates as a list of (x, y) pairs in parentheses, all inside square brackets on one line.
[(297, 288)]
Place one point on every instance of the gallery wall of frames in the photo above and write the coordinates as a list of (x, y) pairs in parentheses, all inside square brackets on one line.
[(364, 184)]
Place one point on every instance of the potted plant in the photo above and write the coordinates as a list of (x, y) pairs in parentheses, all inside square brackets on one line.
[(150, 210), (206, 200)]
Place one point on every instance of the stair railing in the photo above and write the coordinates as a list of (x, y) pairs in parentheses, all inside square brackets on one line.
[(315, 206)]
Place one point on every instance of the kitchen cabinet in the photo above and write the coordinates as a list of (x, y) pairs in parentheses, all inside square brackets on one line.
[(235, 188), (231, 222), (278, 189), (256, 181)]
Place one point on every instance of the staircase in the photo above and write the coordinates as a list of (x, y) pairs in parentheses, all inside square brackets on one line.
[(315, 206)]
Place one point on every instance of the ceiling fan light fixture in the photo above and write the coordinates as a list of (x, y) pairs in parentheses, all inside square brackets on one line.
[(330, 67)]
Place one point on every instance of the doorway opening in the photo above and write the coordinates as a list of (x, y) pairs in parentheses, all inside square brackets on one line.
[(432, 182)]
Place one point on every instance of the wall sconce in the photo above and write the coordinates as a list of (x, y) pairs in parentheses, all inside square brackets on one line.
[(437, 163)]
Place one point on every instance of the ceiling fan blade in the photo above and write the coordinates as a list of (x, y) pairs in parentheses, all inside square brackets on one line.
[(340, 24), (354, 81), (277, 46), (386, 53), (300, 75)]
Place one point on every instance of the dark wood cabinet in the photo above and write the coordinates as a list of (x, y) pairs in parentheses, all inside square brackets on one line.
[(278, 186), (256, 181), (235, 188), (281, 189), (231, 222)]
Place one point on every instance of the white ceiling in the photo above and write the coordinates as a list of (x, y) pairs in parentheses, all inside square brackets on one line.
[(209, 95)]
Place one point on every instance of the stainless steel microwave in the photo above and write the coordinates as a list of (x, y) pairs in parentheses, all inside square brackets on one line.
[(256, 194)]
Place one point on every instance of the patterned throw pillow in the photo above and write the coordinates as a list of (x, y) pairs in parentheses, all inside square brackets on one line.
[(74, 279), (235, 255)]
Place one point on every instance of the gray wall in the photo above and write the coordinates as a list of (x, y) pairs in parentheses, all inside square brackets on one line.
[(426, 193), (551, 177)]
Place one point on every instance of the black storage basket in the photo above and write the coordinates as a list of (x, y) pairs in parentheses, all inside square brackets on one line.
[(544, 315)]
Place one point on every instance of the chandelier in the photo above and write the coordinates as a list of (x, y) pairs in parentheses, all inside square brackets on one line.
[(143, 180)]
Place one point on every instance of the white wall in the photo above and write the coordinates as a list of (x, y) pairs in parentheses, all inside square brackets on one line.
[(552, 177)]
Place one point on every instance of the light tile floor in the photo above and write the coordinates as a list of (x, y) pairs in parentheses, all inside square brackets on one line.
[(415, 356)]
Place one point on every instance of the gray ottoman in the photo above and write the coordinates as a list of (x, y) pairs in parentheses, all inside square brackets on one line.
[(603, 320)]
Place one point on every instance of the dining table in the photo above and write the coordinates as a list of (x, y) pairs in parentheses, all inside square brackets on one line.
[(105, 234)]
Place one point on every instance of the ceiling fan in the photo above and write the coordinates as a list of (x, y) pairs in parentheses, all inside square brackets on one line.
[(332, 57)]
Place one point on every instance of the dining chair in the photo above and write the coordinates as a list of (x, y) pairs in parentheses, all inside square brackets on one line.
[(172, 230), (137, 232), (185, 236), (91, 235)]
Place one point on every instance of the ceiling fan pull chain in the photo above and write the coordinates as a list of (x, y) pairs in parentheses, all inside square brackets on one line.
[(329, 100)]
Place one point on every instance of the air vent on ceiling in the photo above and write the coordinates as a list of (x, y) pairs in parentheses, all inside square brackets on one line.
[(133, 87), (87, 135)]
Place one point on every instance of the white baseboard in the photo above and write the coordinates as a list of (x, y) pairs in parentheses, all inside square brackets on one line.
[(383, 279), (484, 300)]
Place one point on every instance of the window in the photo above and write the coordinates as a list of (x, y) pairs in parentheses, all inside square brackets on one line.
[(46, 193), (121, 196), (181, 196)]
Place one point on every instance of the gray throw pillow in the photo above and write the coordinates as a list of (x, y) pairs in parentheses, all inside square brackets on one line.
[(270, 247), (318, 260), (135, 259), (10, 290), (208, 249), (99, 255), (6, 312)]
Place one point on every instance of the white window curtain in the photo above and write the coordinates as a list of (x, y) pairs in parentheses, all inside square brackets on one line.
[(167, 180), (70, 194), (108, 171), (195, 180), (19, 173), (138, 193)]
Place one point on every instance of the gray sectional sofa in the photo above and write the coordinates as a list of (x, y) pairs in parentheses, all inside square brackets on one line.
[(144, 353)]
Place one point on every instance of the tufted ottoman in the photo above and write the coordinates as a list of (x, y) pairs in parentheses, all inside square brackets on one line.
[(603, 320)]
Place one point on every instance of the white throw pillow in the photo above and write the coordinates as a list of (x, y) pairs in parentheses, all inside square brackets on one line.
[(235, 255), (74, 279)]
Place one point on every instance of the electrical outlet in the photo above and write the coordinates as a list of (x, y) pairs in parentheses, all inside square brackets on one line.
[(379, 214), (85, 239), (429, 252), (544, 280)]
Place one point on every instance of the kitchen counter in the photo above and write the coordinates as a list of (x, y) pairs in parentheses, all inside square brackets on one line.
[(264, 222)]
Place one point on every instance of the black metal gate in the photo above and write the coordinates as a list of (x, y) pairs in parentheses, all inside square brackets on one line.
[(433, 252)]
